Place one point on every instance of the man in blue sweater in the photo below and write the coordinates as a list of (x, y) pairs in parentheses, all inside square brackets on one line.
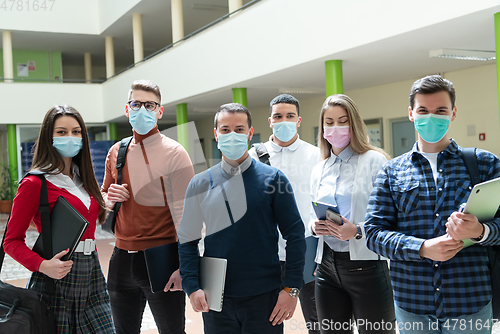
[(243, 204)]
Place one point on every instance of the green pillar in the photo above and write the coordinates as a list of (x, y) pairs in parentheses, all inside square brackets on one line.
[(334, 77), (497, 49), (113, 131), (182, 127), (12, 148), (240, 96)]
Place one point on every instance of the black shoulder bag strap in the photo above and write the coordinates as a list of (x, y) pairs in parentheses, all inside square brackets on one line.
[(120, 162), (262, 153), (46, 229), (44, 209), (468, 155)]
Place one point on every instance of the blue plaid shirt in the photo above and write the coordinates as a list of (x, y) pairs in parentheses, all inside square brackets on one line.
[(406, 208)]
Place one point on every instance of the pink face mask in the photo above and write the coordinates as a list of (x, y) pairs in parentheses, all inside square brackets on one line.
[(337, 136)]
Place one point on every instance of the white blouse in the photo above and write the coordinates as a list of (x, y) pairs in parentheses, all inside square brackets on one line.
[(365, 173)]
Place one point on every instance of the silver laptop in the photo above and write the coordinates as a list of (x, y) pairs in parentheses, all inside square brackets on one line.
[(484, 200), (212, 281)]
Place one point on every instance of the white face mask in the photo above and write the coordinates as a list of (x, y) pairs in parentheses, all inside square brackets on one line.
[(233, 145), (142, 120), (285, 131)]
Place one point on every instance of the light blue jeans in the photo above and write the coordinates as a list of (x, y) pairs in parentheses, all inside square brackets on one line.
[(477, 323)]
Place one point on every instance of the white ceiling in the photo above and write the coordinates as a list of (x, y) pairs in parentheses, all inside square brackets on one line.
[(401, 57)]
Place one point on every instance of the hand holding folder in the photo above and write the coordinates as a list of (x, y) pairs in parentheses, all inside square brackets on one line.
[(67, 229), (161, 262)]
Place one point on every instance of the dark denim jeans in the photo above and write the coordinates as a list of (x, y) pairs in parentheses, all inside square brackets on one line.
[(244, 315), (129, 289)]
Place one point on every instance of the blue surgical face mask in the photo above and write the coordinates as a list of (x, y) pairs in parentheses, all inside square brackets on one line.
[(432, 128), (67, 146), (284, 131), (142, 120), (233, 145)]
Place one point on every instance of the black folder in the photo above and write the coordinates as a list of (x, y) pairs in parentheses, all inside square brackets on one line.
[(161, 262), (68, 227)]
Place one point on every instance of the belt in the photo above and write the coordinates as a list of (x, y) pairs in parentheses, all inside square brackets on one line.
[(86, 247)]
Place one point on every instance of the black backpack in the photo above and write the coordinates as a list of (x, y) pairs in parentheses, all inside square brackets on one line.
[(262, 153), (468, 155), (27, 311)]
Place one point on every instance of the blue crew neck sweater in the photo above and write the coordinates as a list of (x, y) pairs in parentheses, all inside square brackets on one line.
[(242, 214)]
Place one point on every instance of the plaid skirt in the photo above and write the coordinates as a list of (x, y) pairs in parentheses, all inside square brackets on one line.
[(81, 303)]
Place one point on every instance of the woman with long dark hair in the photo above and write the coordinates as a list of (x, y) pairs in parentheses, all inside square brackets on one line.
[(352, 282), (62, 153)]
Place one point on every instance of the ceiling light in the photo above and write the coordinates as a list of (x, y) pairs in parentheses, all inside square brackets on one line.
[(463, 54), (205, 110), (300, 91)]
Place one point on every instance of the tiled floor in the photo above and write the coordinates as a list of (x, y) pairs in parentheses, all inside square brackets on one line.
[(15, 274)]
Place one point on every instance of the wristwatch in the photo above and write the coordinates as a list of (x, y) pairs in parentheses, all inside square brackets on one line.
[(481, 236), (359, 234), (294, 292)]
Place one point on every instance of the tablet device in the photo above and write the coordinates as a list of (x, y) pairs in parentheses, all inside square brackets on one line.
[(212, 280), (161, 262), (484, 200)]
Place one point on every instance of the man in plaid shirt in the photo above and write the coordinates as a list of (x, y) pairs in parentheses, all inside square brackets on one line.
[(412, 219)]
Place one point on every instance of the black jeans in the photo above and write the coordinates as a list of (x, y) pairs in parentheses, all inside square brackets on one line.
[(307, 302), (244, 315), (129, 289), (353, 291)]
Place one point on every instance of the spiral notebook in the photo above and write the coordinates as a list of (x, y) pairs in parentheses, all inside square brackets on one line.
[(68, 227)]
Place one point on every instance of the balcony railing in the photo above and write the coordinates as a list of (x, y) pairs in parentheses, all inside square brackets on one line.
[(99, 81)]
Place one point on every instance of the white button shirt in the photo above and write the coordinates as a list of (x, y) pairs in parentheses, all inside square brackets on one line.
[(296, 162), (336, 186), (73, 186)]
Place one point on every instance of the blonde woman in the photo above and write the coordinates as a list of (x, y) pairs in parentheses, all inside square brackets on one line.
[(352, 282)]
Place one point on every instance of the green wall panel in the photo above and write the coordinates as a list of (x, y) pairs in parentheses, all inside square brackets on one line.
[(48, 64)]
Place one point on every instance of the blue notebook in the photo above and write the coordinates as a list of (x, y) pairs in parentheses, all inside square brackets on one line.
[(320, 209), (310, 265)]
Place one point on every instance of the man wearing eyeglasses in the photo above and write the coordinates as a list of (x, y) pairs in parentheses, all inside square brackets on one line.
[(155, 176)]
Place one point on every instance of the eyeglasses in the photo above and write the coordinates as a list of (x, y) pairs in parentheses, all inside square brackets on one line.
[(136, 105)]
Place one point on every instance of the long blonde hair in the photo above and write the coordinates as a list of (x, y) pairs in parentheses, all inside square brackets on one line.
[(357, 128)]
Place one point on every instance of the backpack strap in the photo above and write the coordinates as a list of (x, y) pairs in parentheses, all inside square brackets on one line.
[(44, 209), (120, 162), (262, 153), (46, 231), (120, 158), (468, 155)]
